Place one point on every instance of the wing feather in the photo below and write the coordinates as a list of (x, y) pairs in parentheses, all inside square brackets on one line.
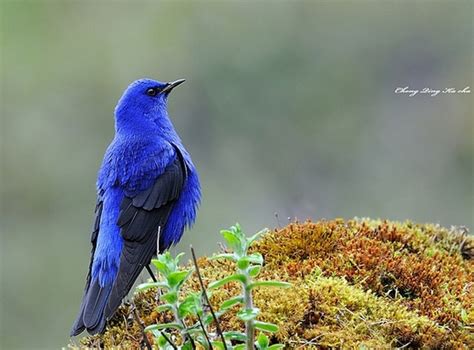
[(140, 219)]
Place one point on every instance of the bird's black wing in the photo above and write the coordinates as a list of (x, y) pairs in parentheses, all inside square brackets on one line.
[(79, 326), (141, 218)]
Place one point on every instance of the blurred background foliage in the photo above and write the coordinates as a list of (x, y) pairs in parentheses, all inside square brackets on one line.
[(289, 108)]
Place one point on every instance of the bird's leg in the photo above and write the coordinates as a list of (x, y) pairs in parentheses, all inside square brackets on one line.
[(158, 240), (152, 275), (158, 293)]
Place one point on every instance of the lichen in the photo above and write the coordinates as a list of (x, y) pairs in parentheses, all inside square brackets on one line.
[(359, 283)]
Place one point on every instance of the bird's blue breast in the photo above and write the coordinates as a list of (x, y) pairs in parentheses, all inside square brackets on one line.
[(133, 165)]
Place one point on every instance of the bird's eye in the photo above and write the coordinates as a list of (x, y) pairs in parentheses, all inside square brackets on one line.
[(152, 92)]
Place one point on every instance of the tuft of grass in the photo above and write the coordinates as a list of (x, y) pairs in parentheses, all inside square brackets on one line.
[(358, 283)]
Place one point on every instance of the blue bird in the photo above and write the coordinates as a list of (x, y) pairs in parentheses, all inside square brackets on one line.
[(148, 192)]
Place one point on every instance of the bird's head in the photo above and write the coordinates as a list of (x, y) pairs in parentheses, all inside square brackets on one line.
[(143, 106)]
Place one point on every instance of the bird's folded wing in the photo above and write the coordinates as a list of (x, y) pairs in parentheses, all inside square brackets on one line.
[(140, 219)]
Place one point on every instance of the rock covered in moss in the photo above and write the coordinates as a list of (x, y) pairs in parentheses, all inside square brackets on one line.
[(355, 284)]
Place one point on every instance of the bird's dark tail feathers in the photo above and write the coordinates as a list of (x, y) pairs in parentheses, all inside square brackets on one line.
[(91, 313)]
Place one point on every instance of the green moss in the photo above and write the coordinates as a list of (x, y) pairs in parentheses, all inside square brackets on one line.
[(355, 284)]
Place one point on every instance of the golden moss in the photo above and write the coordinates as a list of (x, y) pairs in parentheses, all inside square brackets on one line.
[(355, 284)]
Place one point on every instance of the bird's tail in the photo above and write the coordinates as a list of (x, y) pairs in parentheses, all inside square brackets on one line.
[(91, 313)]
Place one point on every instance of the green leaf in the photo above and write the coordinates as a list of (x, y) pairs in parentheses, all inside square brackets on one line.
[(178, 258), (254, 271), (243, 263), (187, 346), (149, 285), (161, 326), (256, 236), (185, 310), (276, 346), (240, 347), (227, 256), (269, 284), (267, 327), (231, 302), (177, 278), (162, 341), (218, 345), (190, 306), (161, 266), (236, 277), (233, 241), (248, 314), (262, 341), (170, 297), (256, 258), (234, 335), (164, 307), (166, 264)]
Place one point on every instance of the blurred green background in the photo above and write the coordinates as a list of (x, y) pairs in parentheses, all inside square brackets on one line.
[(288, 108)]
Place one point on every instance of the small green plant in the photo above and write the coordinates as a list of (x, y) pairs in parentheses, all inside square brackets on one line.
[(195, 308), (172, 278), (248, 267)]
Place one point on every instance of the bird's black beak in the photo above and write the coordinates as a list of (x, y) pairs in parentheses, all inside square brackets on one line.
[(171, 85)]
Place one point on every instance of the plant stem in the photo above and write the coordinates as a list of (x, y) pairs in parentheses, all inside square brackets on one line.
[(180, 321), (205, 333), (249, 325)]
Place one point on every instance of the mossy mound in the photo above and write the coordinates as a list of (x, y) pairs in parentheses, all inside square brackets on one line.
[(355, 284)]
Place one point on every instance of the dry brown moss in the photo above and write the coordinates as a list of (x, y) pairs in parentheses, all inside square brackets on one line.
[(356, 284)]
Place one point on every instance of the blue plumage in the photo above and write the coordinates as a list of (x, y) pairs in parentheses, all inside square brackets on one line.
[(148, 189)]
